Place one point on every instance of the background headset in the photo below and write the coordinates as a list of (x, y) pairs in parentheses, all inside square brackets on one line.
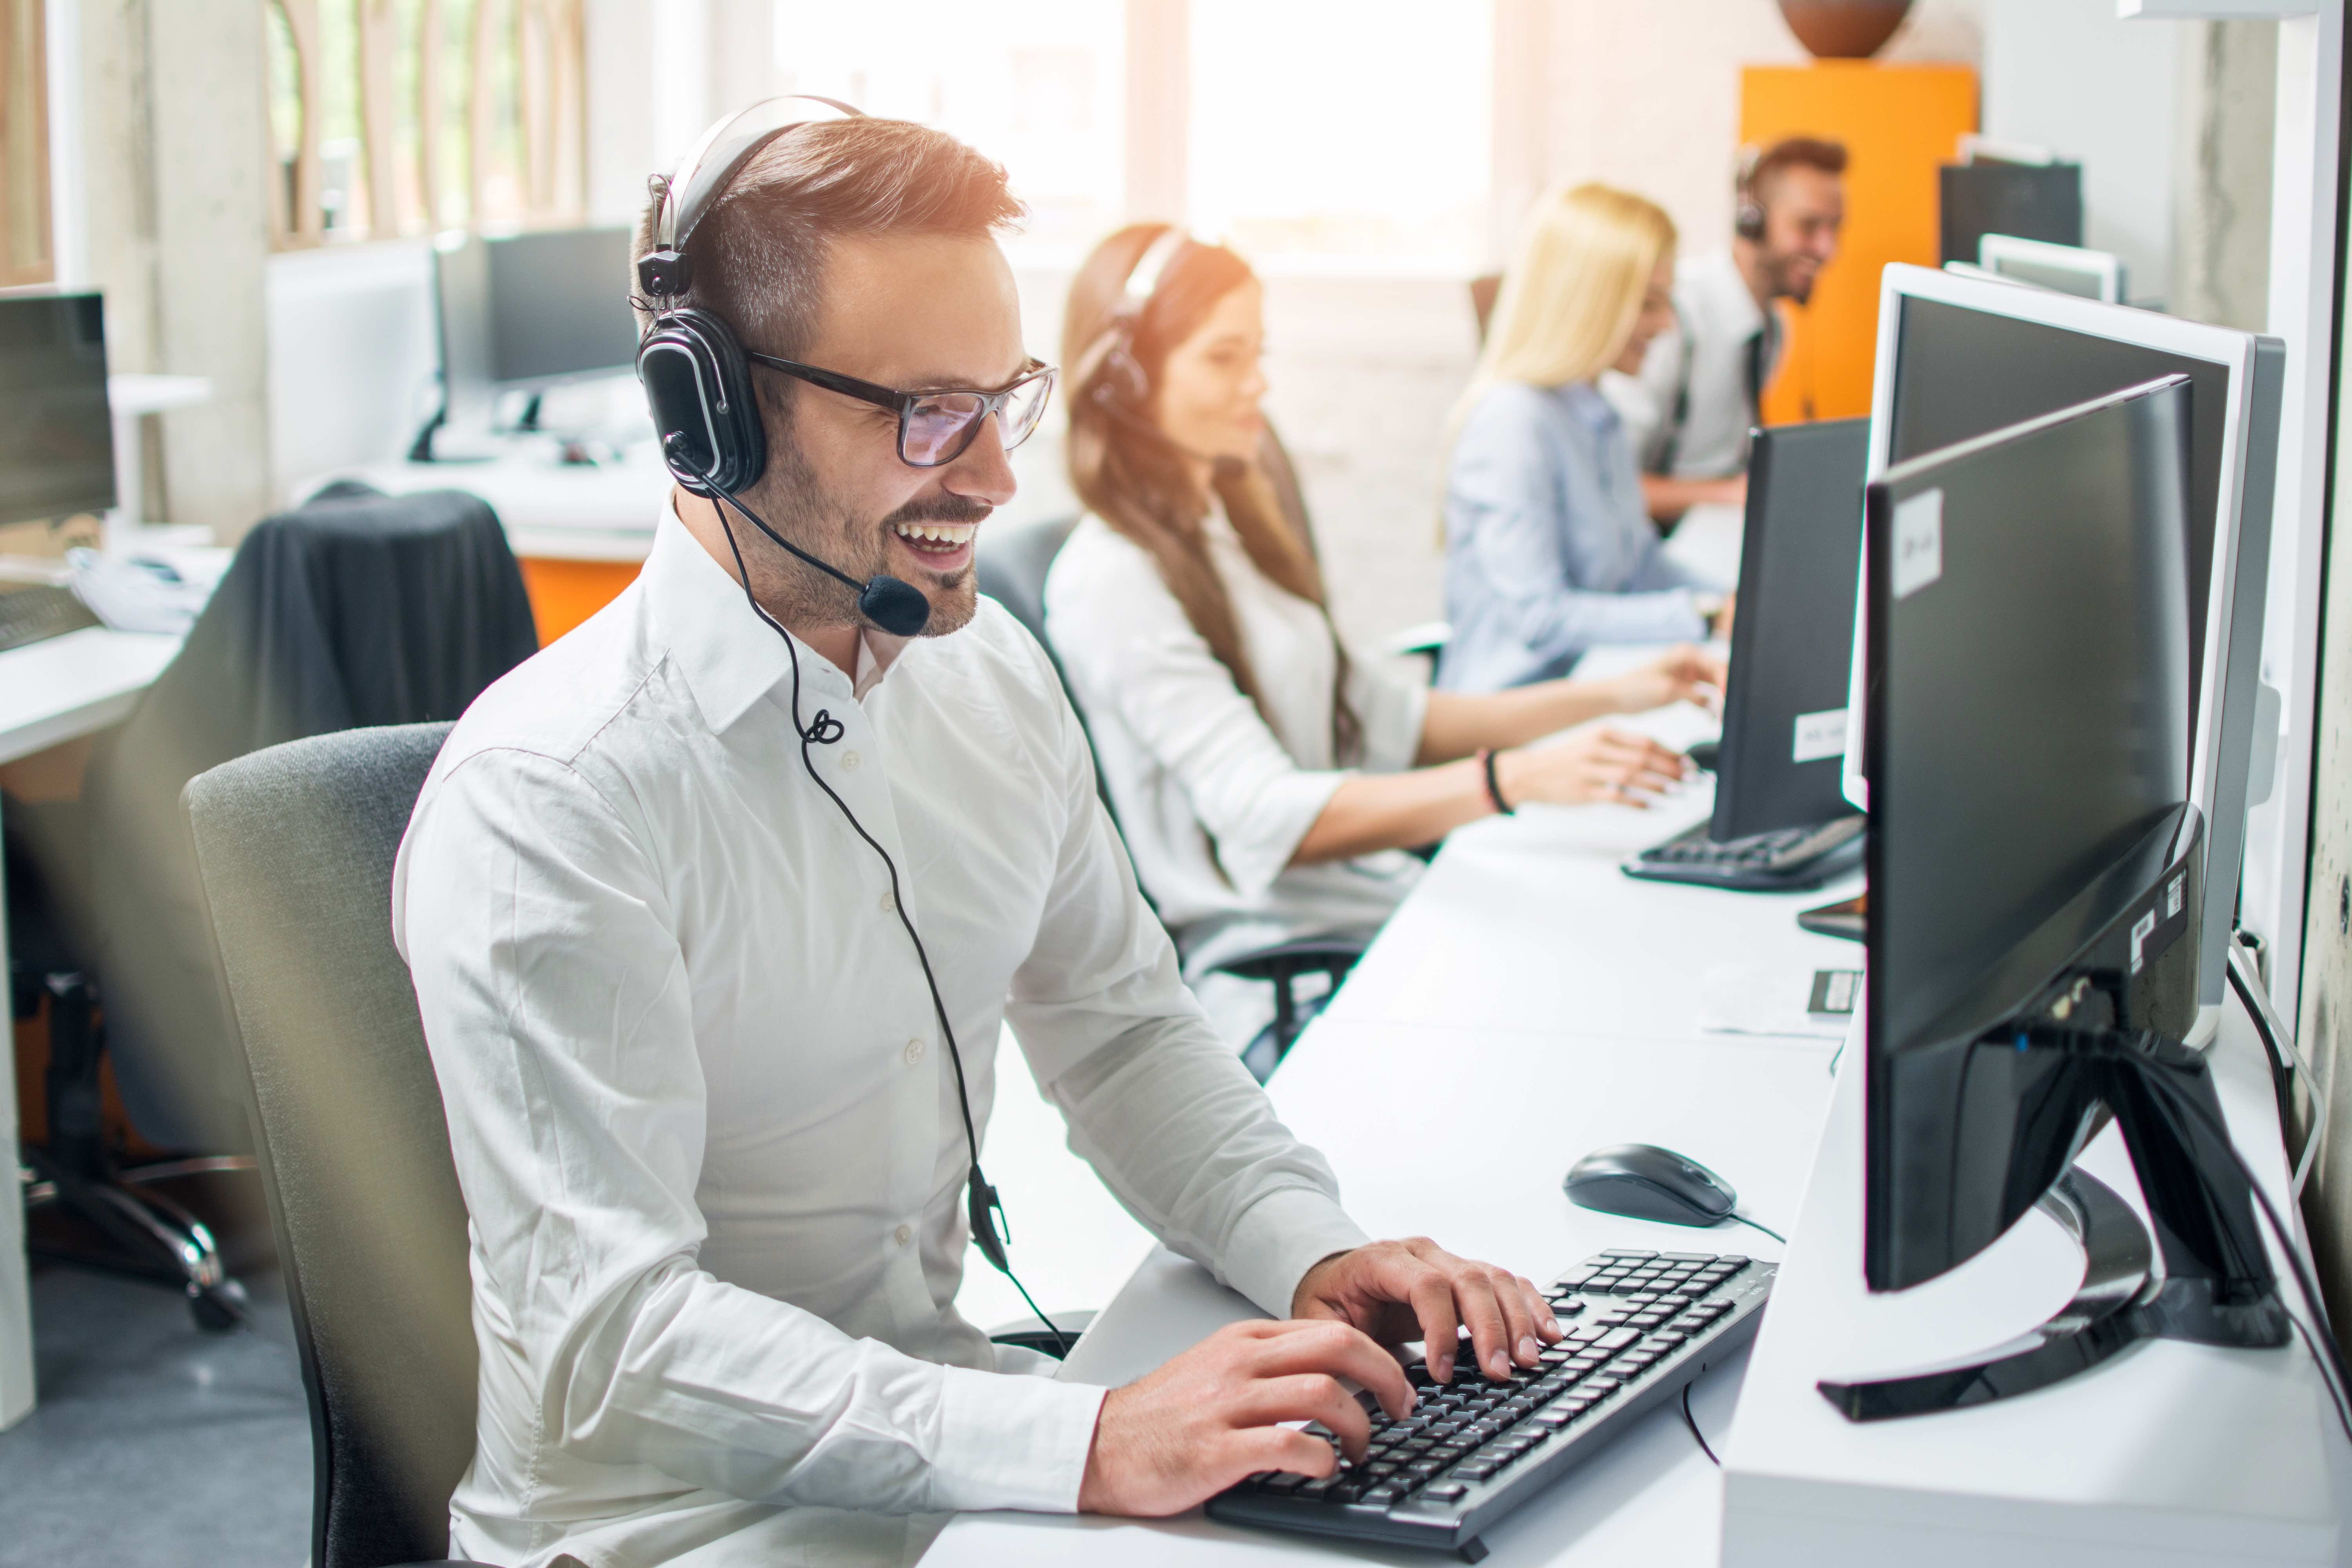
[(1114, 380), (1748, 219), (698, 385)]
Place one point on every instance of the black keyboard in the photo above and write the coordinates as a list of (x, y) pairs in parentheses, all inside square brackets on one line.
[(1641, 1326), (1790, 860), (29, 614)]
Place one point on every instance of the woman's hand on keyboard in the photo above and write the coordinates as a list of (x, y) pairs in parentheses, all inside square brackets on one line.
[(1592, 767), (1210, 1417), (1415, 1289)]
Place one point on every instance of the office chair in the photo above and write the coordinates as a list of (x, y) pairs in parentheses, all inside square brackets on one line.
[(294, 847), (1012, 569), (355, 609)]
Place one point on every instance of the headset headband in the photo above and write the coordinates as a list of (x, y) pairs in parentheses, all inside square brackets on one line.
[(706, 172), (1143, 278)]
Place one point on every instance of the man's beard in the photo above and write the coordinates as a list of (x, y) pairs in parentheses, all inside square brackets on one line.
[(1783, 273), (796, 504)]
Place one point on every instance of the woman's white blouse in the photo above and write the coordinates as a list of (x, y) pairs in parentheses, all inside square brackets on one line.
[(1212, 797)]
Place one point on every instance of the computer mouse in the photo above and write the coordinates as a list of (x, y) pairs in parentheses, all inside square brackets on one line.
[(1704, 753), (1646, 1182)]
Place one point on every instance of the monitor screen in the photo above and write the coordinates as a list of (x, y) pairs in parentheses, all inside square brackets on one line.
[(1784, 717), (57, 441), (1960, 373), (2030, 677), (555, 306)]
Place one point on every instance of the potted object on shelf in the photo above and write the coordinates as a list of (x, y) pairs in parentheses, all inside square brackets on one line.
[(1844, 29)]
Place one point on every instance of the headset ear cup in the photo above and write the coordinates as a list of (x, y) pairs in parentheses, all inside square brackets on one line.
[(699, 389), (1750, 222), (1121, 379)]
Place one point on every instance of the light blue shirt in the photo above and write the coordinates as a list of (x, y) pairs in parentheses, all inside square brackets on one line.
[(1549, 549)]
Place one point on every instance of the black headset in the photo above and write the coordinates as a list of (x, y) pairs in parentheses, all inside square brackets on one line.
[(698, 383), (698, 387), (1748, 219)]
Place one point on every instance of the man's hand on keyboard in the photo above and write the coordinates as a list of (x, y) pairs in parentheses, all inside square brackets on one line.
[(1208, 1418), (1415, 1289)]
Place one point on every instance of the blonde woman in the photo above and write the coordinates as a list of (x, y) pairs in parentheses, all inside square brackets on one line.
[(1267, 780), (1549, 549)]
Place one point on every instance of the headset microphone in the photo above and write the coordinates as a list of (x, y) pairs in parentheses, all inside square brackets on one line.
[(893, 603)]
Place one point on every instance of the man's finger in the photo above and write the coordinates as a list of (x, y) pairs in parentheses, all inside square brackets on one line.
[(1548, 1327), (1474, 1298), (1305, 1396), (1430, 1296), (1519, 1320), (1256, 1448), (1338, 1349)]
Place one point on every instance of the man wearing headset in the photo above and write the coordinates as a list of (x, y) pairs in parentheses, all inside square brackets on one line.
[(697, 900), (1696, 396)]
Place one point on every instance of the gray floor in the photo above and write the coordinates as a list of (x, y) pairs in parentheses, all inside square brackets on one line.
[(155, 1446)]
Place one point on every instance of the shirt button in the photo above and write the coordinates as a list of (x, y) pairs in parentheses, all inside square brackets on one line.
[(914, 1052), (850, 759), (904, 1235), (889, 904)]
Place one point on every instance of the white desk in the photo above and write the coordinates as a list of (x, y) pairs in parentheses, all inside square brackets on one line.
[(51, 692), (1527, 1004)]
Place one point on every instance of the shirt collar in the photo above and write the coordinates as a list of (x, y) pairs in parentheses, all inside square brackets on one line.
[(1716, 279), (730, 655)]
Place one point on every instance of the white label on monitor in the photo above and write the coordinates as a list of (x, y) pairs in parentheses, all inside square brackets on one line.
[(1820, 735), (1918, 542), (2142, 929), (2174, 896)]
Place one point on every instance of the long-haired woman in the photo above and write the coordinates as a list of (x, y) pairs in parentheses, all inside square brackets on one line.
[(1549, 549), (1267, 781)]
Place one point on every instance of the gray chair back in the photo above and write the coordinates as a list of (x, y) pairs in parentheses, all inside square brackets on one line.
[(295, 846)]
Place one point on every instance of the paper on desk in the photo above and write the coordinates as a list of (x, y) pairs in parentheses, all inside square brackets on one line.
[(1764, 999)]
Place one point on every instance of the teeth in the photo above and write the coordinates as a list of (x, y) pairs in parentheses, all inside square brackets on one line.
[(937, 532)]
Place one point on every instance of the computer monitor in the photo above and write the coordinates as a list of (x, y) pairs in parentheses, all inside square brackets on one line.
[(1958, 357), (528, 312), (2032, 888), (57, 439), (2068, 268), (1784, 715)]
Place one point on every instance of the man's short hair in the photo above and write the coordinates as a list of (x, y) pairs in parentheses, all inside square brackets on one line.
[(759, 252), (1793, 152)]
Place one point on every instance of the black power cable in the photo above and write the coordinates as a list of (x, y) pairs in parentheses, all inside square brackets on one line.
[(823, 730), (1692, 1422), (2332, 1370)]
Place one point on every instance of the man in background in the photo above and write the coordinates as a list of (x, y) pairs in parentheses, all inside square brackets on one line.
[(1696, 398)]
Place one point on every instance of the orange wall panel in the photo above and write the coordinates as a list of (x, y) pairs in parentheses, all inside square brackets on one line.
[(565, 592), (1900, 124)]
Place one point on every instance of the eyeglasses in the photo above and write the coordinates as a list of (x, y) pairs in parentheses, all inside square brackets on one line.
[(937, 425)]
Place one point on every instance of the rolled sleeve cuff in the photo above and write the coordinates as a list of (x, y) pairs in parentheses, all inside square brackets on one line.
[(1009, 1441), (1278, 1238), (1280, 818)]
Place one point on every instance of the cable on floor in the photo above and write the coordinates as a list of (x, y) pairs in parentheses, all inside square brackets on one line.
[(1692, 1422)]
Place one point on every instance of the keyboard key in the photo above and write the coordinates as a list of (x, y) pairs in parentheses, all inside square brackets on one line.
[(1445, 1491), (1345, 1490), (1617, 1338), (1688, 1256), (1319, 1488), (1380, 1497), (1474, 1469), (1576, 1276), (1283, 1481), (1634, 1255)]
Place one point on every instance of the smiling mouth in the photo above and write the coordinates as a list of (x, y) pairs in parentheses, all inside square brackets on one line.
[(935, 537)]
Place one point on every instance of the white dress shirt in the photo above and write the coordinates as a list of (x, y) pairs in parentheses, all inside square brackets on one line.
[(700, 1105), (1719, 329), (1213, 796)]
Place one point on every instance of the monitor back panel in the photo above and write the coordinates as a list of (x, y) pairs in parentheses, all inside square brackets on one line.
[(1784, 721)]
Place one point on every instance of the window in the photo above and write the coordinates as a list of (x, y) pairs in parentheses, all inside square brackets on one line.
[(1344, 137), (1038, 86), (395, 117), (24, 145)]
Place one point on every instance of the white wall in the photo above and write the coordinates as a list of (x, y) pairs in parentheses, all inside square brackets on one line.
[(2068, 75), (1647, 96)]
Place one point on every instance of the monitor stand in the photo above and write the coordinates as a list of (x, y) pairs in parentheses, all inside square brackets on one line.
[(2215, 1286)]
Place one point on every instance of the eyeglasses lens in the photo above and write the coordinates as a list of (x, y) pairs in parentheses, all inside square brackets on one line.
[(938, 427), (1023, 408)]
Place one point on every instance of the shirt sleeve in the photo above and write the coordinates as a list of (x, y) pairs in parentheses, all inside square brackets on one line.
[(1156, 1100), (555, 1003), (1391, 710), (1509, 517), (1131, 651)]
